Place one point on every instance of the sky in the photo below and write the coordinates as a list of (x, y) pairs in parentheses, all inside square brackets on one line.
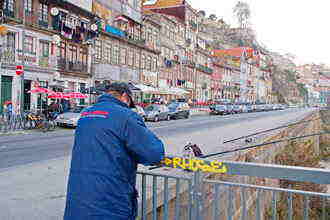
[(298, 27)]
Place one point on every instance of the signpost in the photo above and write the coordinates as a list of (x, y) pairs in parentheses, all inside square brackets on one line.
[(19, 70)]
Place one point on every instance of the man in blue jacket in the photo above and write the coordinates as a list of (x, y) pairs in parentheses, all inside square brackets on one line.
[(110, 141)]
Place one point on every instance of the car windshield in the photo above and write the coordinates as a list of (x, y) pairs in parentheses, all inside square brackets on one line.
[(220, 106), (173, 106), (152, 108)]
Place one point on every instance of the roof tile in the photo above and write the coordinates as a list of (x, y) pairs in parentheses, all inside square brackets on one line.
[(161, 3)]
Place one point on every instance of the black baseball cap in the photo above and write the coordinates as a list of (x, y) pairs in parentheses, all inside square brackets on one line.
[(121, 87)]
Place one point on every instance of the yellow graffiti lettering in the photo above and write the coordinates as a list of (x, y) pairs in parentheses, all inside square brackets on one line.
[(176, 162), (167, 161), (195, 165), (186, 163)]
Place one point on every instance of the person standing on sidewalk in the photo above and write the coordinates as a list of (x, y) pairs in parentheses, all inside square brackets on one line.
[(110, 141)]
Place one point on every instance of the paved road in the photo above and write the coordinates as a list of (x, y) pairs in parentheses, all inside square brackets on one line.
[(34, 167), (22, 149)]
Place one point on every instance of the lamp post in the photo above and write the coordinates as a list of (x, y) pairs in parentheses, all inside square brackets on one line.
[(92, 72), (21, 94)]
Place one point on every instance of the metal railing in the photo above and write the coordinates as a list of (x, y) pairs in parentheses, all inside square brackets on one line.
[(196, 196)]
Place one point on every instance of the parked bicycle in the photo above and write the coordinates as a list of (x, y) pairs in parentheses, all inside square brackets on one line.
[(41, 121)]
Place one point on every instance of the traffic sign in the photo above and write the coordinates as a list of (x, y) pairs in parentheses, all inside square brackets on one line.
[(19, 70)]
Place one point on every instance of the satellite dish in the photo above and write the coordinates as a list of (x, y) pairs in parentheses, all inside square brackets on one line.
[(54, 11), (94, 27)]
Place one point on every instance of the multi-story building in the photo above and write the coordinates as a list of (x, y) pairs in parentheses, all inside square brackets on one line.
[(47, 38)]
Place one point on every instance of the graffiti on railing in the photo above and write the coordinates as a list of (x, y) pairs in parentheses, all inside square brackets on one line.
[(195, 164)]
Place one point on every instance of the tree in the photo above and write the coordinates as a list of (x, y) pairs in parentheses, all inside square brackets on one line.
[(213, 17), (202, 13), (243, 13)]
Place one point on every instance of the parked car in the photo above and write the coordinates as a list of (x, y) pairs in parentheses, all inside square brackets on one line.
[(259, 108), (70, 118), (139, 110), (254, 108), (219, 110), (267, 107), (230, 109), (179, 110), (247, 108), (237, 109), (157, 112)]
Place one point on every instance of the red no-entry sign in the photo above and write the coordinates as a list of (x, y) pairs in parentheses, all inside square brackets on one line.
[(19, 70)]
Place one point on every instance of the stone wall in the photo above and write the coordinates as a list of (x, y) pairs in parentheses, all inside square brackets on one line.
[(265, 154)]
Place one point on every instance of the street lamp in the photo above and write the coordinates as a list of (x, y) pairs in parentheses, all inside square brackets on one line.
[(21, 97)]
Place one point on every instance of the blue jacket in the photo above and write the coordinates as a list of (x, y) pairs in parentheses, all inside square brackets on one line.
[(110, 141)]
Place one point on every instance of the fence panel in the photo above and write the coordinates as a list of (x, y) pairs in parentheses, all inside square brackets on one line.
[(194, 196)]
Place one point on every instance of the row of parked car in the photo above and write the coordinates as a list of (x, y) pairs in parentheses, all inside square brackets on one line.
[(159, 112), (175, 110), (224, 109)]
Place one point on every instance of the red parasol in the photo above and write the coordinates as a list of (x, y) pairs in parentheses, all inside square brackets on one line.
[(40, 90), (8, 102), (58, 95), (76, 95)]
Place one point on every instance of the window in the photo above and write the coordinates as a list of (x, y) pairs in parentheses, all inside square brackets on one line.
[(82, 89), (83, 55), (11, 41), (137, 59), (28, 44), (28, 6), (107, 53), (63, 50), (44, 49), (143, 61), (115, 55), (72, 53), (148, 65), (130, 57), (98, 49), (135, 4), (9, 6), (155, 64), (43, 12), (123, 52)]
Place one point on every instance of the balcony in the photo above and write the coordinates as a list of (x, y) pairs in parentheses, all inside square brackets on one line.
[(44, 62), (134, 40), (189, 63), (77, 66), (43, 24), (204, 69), (7, 55), (66, 65)]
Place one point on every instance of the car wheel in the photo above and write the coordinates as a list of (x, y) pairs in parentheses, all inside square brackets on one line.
[(187, 116), (168, 117), (156, 119)]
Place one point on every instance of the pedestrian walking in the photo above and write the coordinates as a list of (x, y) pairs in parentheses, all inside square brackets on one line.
[(9, 110), (110, 141)]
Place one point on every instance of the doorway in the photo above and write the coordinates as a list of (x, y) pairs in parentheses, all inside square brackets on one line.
[(27, 96), (6, 90)]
